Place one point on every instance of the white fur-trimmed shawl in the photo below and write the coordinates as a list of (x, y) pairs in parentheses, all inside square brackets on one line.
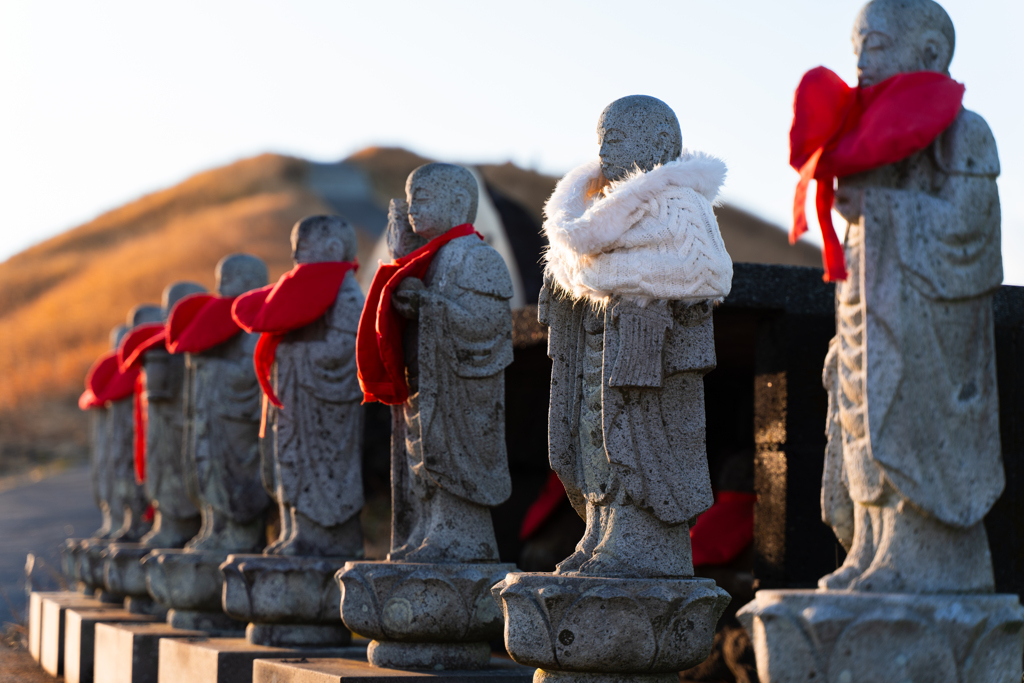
[(649, 236)]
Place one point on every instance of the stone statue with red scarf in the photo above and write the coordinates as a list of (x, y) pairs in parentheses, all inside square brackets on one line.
[(915, 392), (434, 340), (913, 461)]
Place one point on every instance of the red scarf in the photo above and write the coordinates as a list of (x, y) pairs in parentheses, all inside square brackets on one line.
[(129, 356), (379, 354), (300, 297), (838, 131), (199, 322), (723, 532), (105, 382)]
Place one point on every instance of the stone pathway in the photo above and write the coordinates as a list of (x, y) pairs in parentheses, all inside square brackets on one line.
[(37, 517)]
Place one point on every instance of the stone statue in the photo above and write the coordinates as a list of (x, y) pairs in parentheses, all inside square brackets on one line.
[(176, 519), (222, 417), (127, 491), (915, 348), (317, 465), (223, 409), (461, 324), (102, 473), (429, 606), (313, 465), (635, 264), (913, 461)]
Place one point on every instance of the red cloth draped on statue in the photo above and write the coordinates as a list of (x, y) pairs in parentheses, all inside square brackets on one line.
[(380, 356), (721, 533), (105, 382), (129, 355), (300, 297), (199, 322), (838, 131)]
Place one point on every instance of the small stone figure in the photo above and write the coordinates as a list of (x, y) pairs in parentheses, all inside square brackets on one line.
[(434, 339), (102, 472), (913, 461), (223, 409), (221, 450), (915, 350), (317, 461), (313, 465), (176, 518), (635, 264)]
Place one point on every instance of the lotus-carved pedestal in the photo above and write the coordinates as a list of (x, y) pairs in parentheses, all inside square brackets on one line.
[(849, 637), (423, 615), (288, 601), (123, 575), (189, 585), (580, 628)]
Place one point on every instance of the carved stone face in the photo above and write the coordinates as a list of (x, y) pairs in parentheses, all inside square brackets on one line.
[(901, 36), (239, 273), (319, 239), (637, 132), (440, 196)]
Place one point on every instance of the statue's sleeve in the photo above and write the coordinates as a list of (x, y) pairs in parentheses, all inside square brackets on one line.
[(639, 361), (949, 240), (331, 374)]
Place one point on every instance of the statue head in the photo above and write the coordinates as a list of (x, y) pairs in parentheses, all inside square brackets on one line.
[(440, 196), (117, 334), (145, 313), (637, 132), (176, 291), (239, 273), (899, 36), (401, 239), (317, 239)]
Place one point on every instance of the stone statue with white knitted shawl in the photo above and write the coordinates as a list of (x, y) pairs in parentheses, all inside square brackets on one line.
[(635, 265)]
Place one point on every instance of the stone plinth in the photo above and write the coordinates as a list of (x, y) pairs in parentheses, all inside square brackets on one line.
[(850, 637), (288, 601), (52, 608), (423, 615), (123, 575), (69, 559), (89, 561), (580, 628), (350, 671), (190, 584), (80, 638), (129, 653), (229, 660)]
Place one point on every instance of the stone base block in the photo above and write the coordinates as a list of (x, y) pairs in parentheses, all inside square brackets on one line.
[(289, 601), (185, 580), (847, 637), (229, 660), (35, 619), (307, 670), (129, 653), (440, 656), (80, 639), (576, 627), (405, 607), (52, 611), (214, 624)]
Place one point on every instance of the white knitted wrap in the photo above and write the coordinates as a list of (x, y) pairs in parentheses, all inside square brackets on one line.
[(649, 236)]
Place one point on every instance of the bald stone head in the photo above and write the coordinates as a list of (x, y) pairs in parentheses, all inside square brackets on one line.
[(440, 196), (238, 273), (145, 313), (318, 239), (176, 291), (900, 36), (117, 334), (637, 132)]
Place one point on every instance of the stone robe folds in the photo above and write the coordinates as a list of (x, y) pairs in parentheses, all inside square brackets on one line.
[(650, 403), (455, 422), (224, 413), (318, 467), (165, 466), (915, 376), (102, 479)]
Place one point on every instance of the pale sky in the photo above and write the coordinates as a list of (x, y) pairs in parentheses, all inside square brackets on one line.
[(105, 101)]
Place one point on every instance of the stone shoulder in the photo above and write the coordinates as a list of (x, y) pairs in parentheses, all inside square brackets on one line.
[(968, 147)]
